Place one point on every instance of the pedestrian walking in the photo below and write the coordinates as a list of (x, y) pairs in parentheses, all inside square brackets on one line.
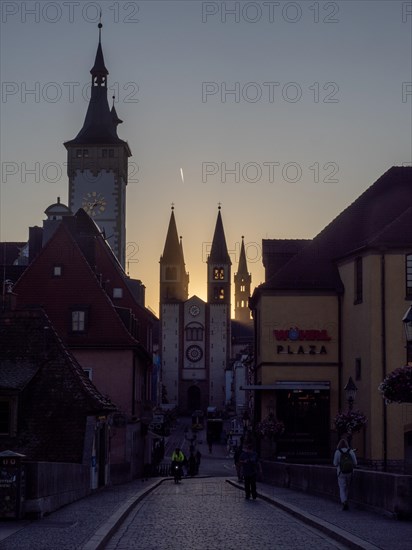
[(250, 468), (209, 439), (236, 459), (345, 461), (192, 465), (198, 459)]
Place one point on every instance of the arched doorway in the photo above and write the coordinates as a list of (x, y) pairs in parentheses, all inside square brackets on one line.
[(193, 398)]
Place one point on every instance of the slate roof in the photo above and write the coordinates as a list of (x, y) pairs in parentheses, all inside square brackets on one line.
[(15, 375), (380, 216), (55, 394), (88, 264)]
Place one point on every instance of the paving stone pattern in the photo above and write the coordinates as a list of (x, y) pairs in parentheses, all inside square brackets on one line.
[(208, 514)]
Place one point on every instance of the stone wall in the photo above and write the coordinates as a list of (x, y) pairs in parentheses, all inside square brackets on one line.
[(380, 491), (51, 485)]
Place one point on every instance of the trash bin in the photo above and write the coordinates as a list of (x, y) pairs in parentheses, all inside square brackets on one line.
[(12, 485)]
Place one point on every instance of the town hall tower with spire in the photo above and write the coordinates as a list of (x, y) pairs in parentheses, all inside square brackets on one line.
[(97, 163)]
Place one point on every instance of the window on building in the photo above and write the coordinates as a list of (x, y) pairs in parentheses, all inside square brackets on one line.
[(218, 273), (242, 288), (85, 153), (221, 293), (194, 332), (111, 153), (104, 153), (358, 281), (409, 276), (89, 372), (57, 270), (117, 293), (79, 153), (78, 321)]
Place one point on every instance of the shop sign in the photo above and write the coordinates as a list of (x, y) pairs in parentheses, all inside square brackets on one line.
[(302, 350), (296, 334)]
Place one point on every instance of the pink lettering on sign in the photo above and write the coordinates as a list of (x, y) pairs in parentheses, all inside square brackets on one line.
[(295, 334)]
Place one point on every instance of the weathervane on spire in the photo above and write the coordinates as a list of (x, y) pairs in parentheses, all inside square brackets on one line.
[(100, 25)]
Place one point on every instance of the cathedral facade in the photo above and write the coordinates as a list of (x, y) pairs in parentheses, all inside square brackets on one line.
[(195, 336)]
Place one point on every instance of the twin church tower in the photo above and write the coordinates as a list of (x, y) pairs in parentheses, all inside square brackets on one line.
[(195, 336)]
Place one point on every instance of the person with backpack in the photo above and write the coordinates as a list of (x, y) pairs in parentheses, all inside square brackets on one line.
[(251, 467), (345, 461)]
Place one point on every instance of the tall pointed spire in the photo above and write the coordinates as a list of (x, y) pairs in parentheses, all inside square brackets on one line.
[(218, 267), (243, 281), (172, 252), (100, 124), (174, 281), (97, 154), (99, 68), (218, 252), (242, 268)]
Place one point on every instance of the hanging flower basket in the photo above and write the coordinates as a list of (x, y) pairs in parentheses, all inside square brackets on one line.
[(349, 422), (397, 386), (270, 427)]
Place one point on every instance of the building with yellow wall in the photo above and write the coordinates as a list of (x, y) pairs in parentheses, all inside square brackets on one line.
[(331, 308)]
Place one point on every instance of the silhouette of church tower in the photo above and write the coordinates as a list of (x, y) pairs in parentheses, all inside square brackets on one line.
[(97, 163), (174, 281), (243, 281), (195, 336)]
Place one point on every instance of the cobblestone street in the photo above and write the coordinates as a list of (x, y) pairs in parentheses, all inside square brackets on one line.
[(211, 514)]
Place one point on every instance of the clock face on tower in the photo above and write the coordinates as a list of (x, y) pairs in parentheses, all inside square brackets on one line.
[(194, 310), (94, 203)]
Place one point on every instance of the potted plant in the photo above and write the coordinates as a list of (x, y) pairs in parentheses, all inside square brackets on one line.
[(349, 422), (397, 386), (270, 427)]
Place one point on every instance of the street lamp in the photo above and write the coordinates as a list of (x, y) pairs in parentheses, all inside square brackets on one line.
[(350, 392), (407, 325)]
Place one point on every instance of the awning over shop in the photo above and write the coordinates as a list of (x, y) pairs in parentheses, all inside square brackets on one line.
[(289, 385)]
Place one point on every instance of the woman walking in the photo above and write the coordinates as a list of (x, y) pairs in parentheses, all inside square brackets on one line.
[(345, 460)]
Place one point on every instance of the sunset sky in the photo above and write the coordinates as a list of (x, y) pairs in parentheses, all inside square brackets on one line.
[(283, 112)]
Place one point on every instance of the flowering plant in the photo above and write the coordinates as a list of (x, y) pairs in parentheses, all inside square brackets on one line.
[(270, 427), (397, 386), (349, 422)]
